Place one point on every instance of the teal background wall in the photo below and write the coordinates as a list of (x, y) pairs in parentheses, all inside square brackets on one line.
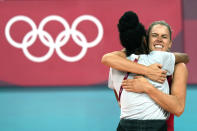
[(73, 109)]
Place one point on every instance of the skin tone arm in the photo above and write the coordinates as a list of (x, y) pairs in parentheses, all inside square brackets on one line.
[(117, 61), (181, 57), (174, 103)]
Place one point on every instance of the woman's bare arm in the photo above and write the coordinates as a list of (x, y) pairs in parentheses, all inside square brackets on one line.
[(181, 57), (117, 60)]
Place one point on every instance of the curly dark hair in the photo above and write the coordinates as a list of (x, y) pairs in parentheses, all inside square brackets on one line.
[(131, 33)]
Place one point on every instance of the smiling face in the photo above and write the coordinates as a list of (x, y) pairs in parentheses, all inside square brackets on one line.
[(159, 38)]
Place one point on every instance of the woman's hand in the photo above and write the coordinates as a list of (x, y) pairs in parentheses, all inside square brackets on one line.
[(138, 85), (155, 73)]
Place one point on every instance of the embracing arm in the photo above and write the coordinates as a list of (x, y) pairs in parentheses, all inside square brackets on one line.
[(178, 89), (174, 103), (117, 60), (181, 57)]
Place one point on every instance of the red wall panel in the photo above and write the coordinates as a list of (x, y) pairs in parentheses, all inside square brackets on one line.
[(17, 69)]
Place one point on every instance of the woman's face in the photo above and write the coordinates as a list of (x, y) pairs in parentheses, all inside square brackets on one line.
[(159, 38)]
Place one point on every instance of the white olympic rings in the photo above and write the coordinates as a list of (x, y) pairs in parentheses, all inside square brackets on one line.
[(61, 40)]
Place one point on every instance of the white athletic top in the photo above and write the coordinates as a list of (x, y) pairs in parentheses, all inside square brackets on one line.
[(139, 105)]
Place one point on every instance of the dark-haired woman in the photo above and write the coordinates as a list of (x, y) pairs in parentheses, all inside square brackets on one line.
[(138, 111)]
